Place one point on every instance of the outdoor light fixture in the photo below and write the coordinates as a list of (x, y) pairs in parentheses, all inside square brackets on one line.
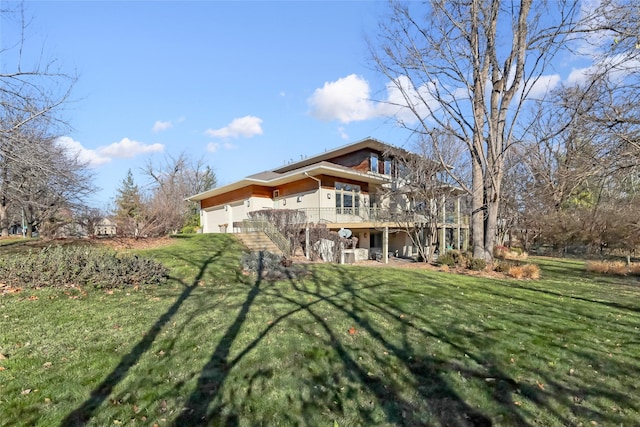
[(328, 195), (248, 203), (284, 202), (299, 199)]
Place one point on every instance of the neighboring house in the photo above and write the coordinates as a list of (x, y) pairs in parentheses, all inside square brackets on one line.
[(339, 188), (105, 227)]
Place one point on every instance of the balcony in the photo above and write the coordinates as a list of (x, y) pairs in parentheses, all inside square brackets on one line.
[(375, 216)]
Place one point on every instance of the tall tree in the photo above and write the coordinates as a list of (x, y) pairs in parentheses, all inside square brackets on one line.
[(466, 68), (31, 96), (129, 207)]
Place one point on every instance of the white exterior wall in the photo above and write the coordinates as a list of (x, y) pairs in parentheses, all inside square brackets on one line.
[(213, 218)]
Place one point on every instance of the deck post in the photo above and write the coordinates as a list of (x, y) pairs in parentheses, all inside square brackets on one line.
[(443, 230), (306, 242), (385, 245), (458, 219)]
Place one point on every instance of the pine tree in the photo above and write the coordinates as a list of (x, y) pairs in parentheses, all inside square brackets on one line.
[(129, 206)]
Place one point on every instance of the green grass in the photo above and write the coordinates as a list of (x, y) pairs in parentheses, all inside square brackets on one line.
[(347, 344)]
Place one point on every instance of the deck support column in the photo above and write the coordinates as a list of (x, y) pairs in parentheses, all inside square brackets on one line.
[(458, 219), (306, 243), (385, 245), (443, 230)]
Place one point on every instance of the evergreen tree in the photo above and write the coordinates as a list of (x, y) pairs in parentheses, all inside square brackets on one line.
[(129, 206)]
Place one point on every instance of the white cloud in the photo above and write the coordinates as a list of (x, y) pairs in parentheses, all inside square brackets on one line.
[(212, 147), (161, 126), (543, 85), (406, 103), (92, 157), (245, 127), (343, 133), (128, 149), (347, 100), (125, 149)]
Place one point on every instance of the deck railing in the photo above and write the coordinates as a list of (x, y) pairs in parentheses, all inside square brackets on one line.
[(366, 214)]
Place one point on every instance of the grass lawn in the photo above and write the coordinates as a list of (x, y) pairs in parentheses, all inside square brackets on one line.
[(345, 346)]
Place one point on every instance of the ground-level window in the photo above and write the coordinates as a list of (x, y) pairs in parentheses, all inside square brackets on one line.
[(347, 199)]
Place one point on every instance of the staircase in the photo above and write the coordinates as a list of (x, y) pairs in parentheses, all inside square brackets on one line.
[(258, 241)]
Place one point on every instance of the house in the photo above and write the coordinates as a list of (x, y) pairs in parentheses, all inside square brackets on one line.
[(342, 188), (105, 227)]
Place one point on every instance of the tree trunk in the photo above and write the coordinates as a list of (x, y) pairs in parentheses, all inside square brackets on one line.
[(490, 229), (4, 219), (478, 211)]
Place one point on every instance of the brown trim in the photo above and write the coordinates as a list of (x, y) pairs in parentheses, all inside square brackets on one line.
[(286, 190), (237, 195)]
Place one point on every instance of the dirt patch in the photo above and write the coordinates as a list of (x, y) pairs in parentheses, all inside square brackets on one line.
[(124, 243)]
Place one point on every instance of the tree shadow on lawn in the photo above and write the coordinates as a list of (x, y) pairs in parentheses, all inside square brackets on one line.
[(611, 304), (436, 400), (408, 385), (82, 414)]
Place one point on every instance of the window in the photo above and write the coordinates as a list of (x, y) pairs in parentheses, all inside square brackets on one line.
[(347, 199), (387, 167), (374, 162)]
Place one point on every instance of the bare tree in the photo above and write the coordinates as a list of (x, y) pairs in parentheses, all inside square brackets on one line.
[(466, 68), (170, 183), (40, 178), (28, 91), (31, 95)]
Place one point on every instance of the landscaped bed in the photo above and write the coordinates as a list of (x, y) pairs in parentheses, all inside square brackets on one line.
[(352, 345)]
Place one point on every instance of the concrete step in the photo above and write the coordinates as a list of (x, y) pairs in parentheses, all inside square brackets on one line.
[(258, 242)]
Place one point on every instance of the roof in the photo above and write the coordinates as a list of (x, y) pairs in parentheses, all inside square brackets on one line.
[(345, 149), (311, 166), (267, 179)]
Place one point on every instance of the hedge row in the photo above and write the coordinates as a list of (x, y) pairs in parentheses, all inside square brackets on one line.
[(79, 266)]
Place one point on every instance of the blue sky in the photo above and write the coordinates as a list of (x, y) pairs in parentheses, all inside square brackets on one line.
[(244, 85)]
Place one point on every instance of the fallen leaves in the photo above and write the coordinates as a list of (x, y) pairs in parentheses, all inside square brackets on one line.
[(352, 331)]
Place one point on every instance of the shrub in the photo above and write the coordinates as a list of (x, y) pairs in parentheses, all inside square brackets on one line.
[(502, 267), (531, 271), (270, 266), (499, 251), (476, 264), (528, 271), (261, 260), (447, 259), (634, 269), (513, 253), (516, 271), (617, 268), (77, 265)]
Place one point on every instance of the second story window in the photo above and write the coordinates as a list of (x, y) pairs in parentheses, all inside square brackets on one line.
[(387, 167), (374, 163), (347, 199)]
